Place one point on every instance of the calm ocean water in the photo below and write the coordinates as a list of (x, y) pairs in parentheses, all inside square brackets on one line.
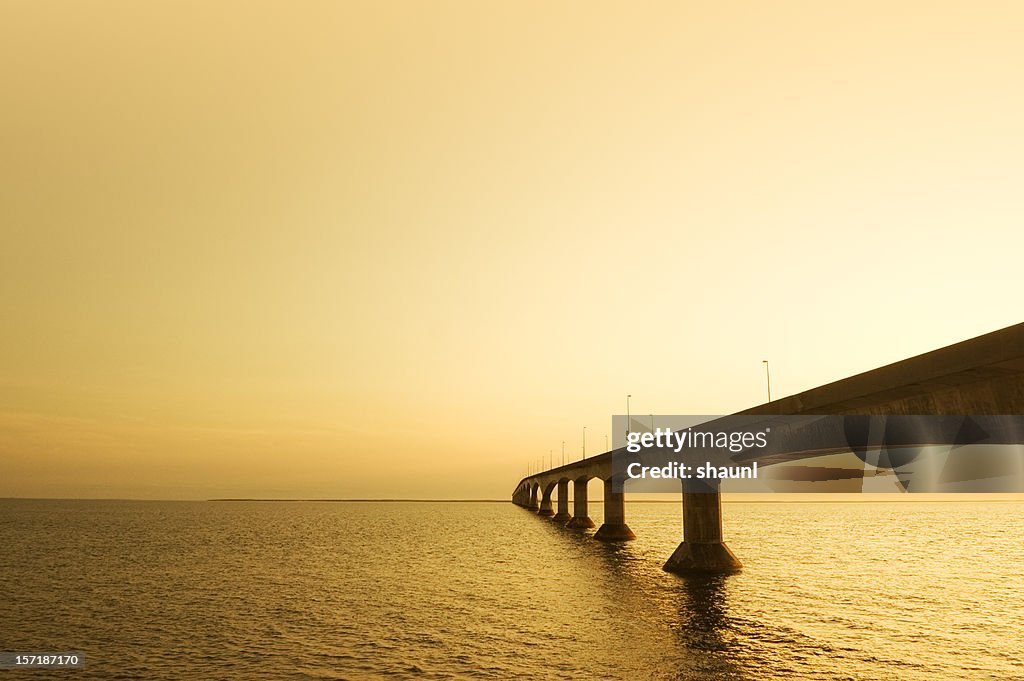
[(293, 590)]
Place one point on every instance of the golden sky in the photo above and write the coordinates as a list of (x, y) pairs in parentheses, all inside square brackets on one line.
[(343, 249)]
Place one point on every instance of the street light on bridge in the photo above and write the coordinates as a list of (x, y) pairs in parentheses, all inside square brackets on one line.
[(627, 416)]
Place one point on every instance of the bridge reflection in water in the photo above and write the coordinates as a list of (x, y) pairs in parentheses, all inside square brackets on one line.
[(983, 375)]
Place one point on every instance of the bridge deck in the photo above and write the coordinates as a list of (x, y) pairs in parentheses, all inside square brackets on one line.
[(983, 375)]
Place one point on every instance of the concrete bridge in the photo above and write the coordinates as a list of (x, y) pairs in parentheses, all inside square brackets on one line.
[(983, 375)]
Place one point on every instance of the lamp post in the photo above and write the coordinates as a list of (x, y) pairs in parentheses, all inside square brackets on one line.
[(768, 377), (652, 423), (563, 452), (584, 442), (627, 416)]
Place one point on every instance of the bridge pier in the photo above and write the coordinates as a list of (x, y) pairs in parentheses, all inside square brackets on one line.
[(614, 527), (545, 504), (702, 549), (580, 519), (563, 502), (532, 503)]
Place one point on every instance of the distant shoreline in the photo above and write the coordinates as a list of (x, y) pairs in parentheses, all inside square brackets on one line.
[(424, 501)]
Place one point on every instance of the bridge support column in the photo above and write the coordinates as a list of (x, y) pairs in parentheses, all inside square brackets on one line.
[(563, 502), (545, 505), (580, 519), (702, 549), (532, 504), (614, 527)]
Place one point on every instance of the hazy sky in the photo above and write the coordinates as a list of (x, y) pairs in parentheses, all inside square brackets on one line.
[(341, 249)]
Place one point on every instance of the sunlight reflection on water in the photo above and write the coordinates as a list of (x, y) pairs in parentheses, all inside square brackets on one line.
[(311, 590)]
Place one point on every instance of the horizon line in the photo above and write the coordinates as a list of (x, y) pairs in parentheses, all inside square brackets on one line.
[(903, 498)]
